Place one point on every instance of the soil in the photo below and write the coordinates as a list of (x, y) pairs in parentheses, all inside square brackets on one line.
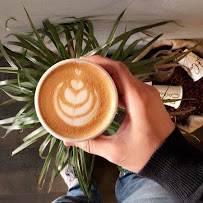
[(192, 90)]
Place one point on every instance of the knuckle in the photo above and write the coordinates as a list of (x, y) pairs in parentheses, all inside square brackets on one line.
[(154, 90), (119, 64)]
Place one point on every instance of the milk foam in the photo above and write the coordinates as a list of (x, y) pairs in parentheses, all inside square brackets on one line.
[(74, 115)]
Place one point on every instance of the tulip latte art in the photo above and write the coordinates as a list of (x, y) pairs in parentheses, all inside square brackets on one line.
[(76, 100), (83, 104)]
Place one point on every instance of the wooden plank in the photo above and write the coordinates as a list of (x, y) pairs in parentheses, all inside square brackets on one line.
[(30, 198), (19, 174)]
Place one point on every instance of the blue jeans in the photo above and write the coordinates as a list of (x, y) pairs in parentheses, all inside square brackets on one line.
[(129, 188)]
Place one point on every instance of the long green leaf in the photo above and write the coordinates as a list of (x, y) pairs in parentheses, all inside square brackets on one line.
[(31, 120), (28, 85), (53, 140), (23, 109), (38, 46), (112, 34), (16, 89), (112, 129), (28, 70), (6, 24), (119, 50), (59, 156), (25, 44), (34, 133), (70, 156), (79, 172), (95, 51), (83, 165), (69, 40), (143, 62), (139, 29), (7, 57), (36, 61), (143, 67), (91, 167), (90, 34), (44, 145), (33, 71), (19, 127), (43, 46), (31, 79), (12, 89), (31, 112), (174, 100), (138, 52), (121, 170), (7, 120), (79, 39), (19, 98), (18, 57), (25, 121), (87, 48), (8, 70), (26, 144), (47, 163), (11, 128), (7, 82), (129, 50), (62, 50)]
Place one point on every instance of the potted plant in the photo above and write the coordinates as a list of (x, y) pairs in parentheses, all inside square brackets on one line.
[(189, 115)]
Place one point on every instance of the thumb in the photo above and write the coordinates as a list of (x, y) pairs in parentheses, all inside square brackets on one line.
[(103, 146)]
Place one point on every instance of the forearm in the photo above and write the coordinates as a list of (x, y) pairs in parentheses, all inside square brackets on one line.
[(178, 167)]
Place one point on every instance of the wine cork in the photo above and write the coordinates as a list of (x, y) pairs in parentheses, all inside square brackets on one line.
[(193, 64), (170, 92)]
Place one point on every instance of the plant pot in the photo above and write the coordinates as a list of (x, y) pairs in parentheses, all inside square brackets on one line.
[(174, 44), (163, 75)]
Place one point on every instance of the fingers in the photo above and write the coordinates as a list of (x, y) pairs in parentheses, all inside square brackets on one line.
[(124, 80), (102, 146)]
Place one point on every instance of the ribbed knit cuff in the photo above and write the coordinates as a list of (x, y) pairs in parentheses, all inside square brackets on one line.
[(177, 166)]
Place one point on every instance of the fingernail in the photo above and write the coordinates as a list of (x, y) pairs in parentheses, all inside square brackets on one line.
[(82, 57), (69, 143)]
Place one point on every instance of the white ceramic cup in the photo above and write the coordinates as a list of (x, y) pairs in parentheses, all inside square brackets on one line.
[(113, 109)]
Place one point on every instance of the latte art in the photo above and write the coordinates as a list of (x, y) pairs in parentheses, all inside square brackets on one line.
[(76, 115), (76, 100)]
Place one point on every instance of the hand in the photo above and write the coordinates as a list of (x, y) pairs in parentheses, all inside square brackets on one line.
[(146, 125)]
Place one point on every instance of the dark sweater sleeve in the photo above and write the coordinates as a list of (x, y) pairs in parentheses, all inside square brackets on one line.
[(178, 167)]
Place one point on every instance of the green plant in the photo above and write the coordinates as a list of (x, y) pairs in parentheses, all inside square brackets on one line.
[(35, 58)]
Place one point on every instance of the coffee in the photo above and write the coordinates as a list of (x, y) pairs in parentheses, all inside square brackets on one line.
[(76, 100)]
